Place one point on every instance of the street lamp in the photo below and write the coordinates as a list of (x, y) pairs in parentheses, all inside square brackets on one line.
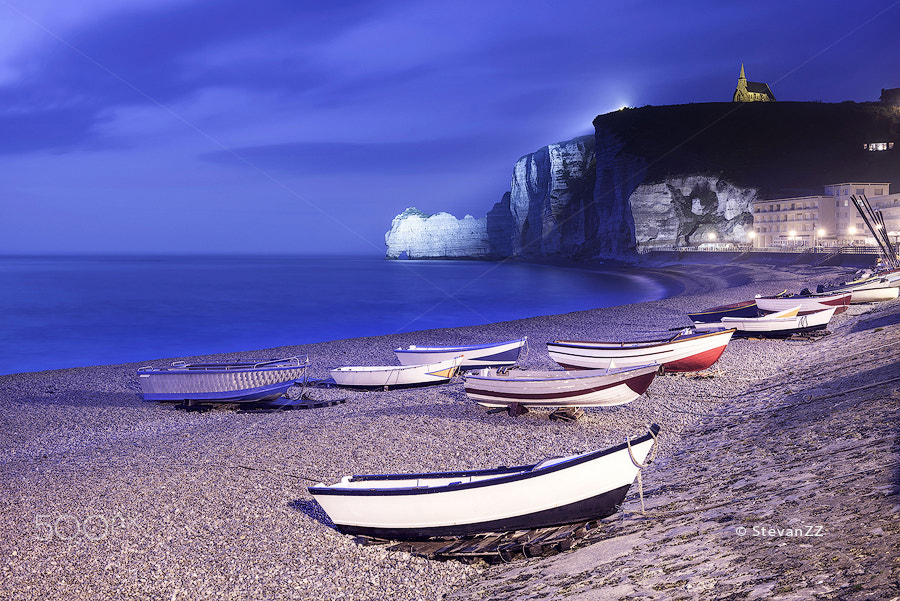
[(820, 233), (852, 231), (792, 237), (751, 235)]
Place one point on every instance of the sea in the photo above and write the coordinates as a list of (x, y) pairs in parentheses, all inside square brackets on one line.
[(73, 311)]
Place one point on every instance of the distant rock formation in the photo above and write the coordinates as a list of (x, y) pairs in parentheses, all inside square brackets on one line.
[(421, 236), (660, 176), (555, 208)]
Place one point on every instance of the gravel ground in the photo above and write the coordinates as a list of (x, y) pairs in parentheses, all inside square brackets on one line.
[(108, 496)]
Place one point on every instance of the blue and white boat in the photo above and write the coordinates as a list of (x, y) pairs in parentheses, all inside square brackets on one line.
[(476, 356), (554, 492), (222, 382)]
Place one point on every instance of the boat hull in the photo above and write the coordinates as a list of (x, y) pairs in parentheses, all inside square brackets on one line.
[(874, 295), (581, 388), (681, 353), (474, 356), (418, 506), (780, 327), (715, 314), (221, 382), (808, 304), (391, 376), (866, 290)]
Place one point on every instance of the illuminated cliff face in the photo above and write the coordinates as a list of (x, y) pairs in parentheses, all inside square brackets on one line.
[(687, 211), (568, 201), (421, 236), (661, 176)]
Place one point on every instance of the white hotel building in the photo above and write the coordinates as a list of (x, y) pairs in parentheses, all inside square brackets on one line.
[(827, 220)]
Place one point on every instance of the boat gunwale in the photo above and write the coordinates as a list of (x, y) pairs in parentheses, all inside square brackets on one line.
[(731, 307), (504, 475), (574, 374), (449, 349), (390, 368), (181, 368), (636, 344)]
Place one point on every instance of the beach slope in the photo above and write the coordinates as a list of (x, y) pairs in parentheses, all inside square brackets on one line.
[(105, 495)]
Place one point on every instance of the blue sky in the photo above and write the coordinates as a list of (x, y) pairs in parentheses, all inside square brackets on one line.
[(223, 126)]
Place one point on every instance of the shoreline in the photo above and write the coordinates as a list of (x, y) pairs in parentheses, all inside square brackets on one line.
[(213, 504), (160, 328)]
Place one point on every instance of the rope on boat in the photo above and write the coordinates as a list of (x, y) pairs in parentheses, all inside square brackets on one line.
[(262, 469), (640, 465)]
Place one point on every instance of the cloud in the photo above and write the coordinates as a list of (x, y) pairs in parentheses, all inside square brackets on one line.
[(333, 158)]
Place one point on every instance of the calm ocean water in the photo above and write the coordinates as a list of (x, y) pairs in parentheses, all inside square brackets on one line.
[(72, 311)]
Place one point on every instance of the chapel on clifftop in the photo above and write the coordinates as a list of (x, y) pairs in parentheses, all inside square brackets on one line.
[(751, 91)]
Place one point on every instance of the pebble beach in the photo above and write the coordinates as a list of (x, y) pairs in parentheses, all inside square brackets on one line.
[(776, 474)]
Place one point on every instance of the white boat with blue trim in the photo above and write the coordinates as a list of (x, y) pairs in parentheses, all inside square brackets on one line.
[(554, 492), (475, 356)]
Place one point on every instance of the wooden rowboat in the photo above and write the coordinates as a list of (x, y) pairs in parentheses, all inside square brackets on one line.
[(582, 388), (553, 492), (496, 354), (868, 290), (389, 376), (714, 314), (685, 351), (222, 382), (778, 325), (808, 303)]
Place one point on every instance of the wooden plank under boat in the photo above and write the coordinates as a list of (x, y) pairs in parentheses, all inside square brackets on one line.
[(222, 382), (809, 303), (581, 388), (396, 375), (553, 492), (685, 351), (714, 314), (476, 356)]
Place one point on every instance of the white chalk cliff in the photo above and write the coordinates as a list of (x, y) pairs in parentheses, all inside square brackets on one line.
[(582, 199), (420, 236)]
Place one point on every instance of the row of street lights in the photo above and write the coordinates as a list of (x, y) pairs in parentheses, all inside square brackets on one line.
[(792, 235), (820, 233)]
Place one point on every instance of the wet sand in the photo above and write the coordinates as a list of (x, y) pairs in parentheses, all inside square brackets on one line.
[(108, 496)]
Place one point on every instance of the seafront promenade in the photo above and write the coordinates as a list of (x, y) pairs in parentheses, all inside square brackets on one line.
[(776, 474)]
